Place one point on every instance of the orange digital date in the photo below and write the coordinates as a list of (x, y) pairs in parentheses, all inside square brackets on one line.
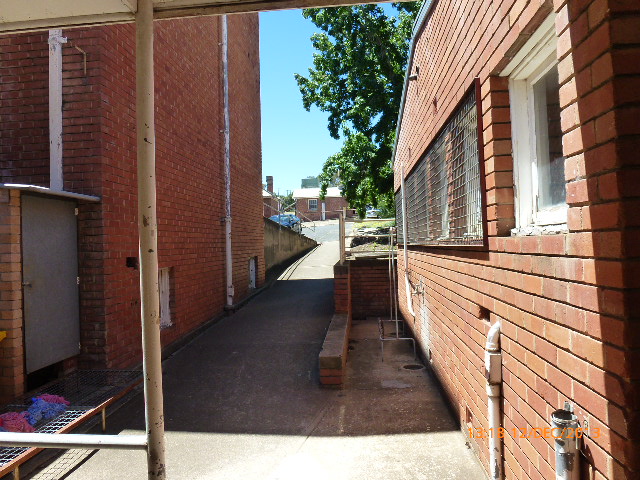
[(533, 432)]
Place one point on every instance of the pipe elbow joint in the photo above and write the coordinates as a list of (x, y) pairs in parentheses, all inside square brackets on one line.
[(493, 337)]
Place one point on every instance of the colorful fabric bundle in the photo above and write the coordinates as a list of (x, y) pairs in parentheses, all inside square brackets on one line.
[(44, 410), (16, 422), (53, 399)]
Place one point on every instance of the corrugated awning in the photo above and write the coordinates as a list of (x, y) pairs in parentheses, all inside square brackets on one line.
[(22, 16)]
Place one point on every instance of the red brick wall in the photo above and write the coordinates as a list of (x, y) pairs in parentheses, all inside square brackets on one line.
[(333, 205), (341, 288), (246, 149), (269, 206), (24, 111), (11, 348), (100, 159), (361, 288), (568, 303), (369, 287)]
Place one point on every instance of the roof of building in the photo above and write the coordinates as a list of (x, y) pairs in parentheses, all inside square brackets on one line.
[(315, 192), (266, 193)]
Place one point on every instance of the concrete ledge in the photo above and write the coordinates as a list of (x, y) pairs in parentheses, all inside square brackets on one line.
[(333, 356)]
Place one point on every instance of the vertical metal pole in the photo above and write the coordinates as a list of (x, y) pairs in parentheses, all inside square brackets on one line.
[(148, 231), (342, 230), (227, 163)]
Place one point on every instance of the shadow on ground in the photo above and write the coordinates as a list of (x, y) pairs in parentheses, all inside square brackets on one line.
[(242, 401)]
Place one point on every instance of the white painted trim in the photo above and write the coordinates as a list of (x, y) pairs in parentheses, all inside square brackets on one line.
[(536, 58), (48, 191), (56, 40), (541, 42)]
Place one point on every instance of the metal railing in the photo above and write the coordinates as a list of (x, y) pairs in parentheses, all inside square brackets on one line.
[(375, 249)]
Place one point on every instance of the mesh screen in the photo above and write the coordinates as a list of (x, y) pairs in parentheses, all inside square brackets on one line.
[(443, 196)]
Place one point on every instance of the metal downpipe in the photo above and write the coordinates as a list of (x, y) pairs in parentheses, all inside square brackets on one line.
[(148, 232), (56, 40), (407, 283), (227, 164), (493, 373)]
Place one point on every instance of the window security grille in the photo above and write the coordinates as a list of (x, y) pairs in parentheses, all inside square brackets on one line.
[(443, 191)]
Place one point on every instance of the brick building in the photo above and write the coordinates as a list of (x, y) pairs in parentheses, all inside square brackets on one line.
[(270, 203), (99, 168), (517, 150), (309, 206)]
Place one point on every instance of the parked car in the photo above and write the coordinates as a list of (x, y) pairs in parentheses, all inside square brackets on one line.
[(288, 220), (373, 213)]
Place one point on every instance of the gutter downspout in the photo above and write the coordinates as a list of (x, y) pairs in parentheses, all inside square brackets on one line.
[(56, 40), (407, 284), (227, 165), (493, 373)]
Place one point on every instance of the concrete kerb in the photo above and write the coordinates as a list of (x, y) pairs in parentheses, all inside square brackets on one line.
[(333, 356)]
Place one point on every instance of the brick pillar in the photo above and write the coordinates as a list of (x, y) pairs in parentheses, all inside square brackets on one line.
[(341, 287), (498, 162), (11, 348)]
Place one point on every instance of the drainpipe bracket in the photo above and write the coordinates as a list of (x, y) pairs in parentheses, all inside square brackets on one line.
[(493, 390), (493, 367)]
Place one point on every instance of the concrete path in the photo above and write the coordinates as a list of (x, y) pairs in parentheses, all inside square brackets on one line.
[(243, 401)]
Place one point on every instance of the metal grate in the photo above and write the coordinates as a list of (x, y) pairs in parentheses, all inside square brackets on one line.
[(88, 387), (7, 454), (84, 389), (443, 192)]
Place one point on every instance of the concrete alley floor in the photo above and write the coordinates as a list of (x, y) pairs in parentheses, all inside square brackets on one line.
[(242, 401)]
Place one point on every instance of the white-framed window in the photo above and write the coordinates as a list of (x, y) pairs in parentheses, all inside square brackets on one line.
[(540, 188), (313, 204)]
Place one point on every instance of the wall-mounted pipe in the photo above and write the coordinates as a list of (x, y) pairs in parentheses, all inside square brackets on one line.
[(227, 164), (407, 283), (493, 373), (565, 426), (56, 40)]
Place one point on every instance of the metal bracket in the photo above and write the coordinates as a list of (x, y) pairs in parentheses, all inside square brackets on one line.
[(585, 427)]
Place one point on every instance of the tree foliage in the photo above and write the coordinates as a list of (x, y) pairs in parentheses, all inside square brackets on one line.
[(357, 77)]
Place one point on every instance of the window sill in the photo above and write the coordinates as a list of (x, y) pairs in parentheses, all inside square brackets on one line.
[(534, 230)]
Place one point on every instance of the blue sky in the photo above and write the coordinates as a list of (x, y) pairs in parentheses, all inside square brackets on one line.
[(295, 143)]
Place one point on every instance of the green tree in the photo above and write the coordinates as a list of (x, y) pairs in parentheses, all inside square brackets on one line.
[(286, 201), (357, 77)]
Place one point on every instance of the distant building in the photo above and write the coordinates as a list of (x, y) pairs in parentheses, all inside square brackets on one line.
[(310, 207), (310, 182), (271, 204)]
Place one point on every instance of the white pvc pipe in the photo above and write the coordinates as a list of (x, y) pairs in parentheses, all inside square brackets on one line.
[(407, 282), (493, 371), (227, 164), (55, 109), (73, 440), (148, 233)]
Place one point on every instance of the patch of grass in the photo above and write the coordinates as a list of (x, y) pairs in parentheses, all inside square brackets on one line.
[(387, 224)]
